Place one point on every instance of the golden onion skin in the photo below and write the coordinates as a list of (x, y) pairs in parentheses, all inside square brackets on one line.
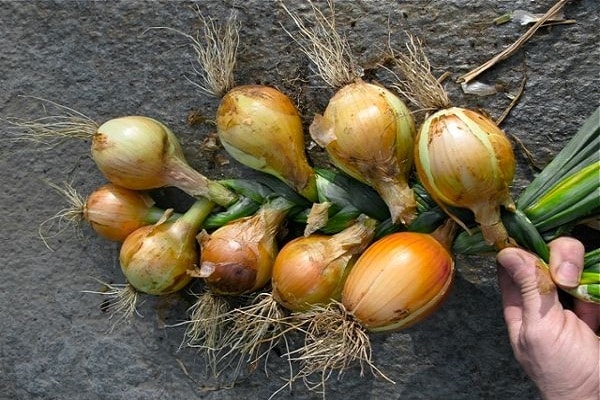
[(154, 261), (398, 281), (115, 212), (132, 151), (312, 269), (261, 128), (465, 160), (369, 134), (238, 257)]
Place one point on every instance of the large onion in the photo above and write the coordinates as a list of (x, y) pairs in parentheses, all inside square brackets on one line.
[(260, 127), (369, 133), (464, 160)]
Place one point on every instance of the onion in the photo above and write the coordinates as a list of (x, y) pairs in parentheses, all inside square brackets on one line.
[(260, 127), (115, 212), (156, 259), (464, 160), (238, 257), (369, 134), (142, 153), (311, 270)]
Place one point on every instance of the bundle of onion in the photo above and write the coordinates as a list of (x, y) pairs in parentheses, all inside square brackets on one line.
[(367, 131), (258, 125), (156, 259), (396, 282), (308, 270), (235, 259)]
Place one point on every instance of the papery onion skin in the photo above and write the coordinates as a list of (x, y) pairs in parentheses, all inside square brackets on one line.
[(369, 134), (141, 153), (261, 128), (156, 259), (238, 257), (312, 269), (398, 281), (465, 160), (115, 212)]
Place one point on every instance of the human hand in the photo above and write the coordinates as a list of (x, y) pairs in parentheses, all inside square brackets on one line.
[(557, 348)]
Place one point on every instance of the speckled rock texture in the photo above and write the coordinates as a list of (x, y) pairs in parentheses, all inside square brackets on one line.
[(101, 59)]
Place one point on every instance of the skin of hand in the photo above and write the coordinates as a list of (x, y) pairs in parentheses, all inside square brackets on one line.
[(557, 348)]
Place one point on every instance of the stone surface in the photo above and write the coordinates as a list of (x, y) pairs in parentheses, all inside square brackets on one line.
[(99, 58)]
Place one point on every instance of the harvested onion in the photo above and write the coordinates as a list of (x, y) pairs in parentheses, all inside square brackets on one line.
[(115, 212), (311, 270), (464, 160), (142, 153), (367, 131), (369, 134), (260, 127), (156, 259), (238, 257)]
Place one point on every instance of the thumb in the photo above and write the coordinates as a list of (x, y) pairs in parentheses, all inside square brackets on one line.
[(532, 277)]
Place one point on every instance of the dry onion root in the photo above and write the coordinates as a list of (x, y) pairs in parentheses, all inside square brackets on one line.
[(258, 125), (366, 130), (396, 282), (462, 158)]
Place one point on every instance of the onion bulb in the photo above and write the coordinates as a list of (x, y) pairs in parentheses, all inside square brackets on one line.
[(369, 133), (311, 269), (156, 259), (238, 257), (465, 160), (115, 212), (260, 127), (141, 153)]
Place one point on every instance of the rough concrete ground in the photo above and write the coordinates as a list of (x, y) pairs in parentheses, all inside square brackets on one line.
[(99, 58)]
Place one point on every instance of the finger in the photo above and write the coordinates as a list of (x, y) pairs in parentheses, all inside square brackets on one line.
[(566, 261), (538, 293), (588, 313), (511, 303)]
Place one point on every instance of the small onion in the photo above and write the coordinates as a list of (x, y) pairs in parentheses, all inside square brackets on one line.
[(115, 212), (238, 257), (311, 269), (260, 127), (142, 153), (369, 133), (464, 160), (156, 259)]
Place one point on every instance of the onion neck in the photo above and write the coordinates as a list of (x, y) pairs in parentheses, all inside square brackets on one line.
[(400, 200), (178, 173), (192, 220)]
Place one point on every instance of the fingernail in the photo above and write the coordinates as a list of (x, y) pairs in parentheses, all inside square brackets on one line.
[(510, 260), (567, 274)]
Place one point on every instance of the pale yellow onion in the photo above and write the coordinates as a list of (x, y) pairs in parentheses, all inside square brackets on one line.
[(238, 257), (260, 127), (115, 212), (465, 160), (142, 153), (398, 281), (369, 133), (156, 259), (311, 269)]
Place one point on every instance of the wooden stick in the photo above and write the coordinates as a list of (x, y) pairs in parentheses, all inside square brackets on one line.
[(513, 47)]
